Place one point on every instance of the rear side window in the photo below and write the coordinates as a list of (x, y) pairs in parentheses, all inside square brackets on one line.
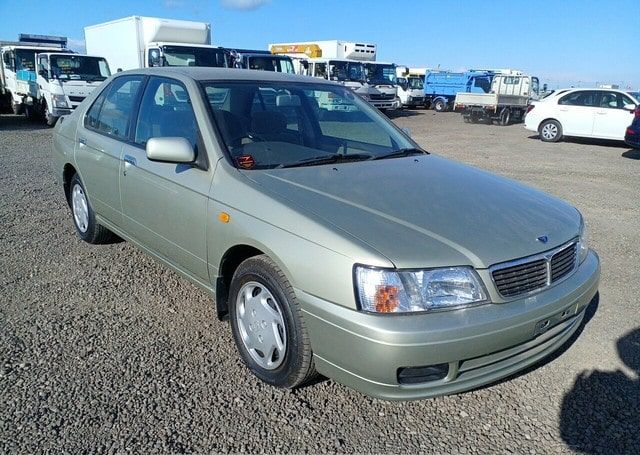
[(166, 111), (111, 113), (582, 98), (614, 100)]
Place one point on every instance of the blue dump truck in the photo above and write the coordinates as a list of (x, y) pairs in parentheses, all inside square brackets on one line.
[(440, 87)]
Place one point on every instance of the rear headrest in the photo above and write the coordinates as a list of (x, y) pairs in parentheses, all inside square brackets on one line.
[(265, 122)]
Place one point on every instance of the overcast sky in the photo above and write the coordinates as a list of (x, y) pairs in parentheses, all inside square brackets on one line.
[(564, 42)]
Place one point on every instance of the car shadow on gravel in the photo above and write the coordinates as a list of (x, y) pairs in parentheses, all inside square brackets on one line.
[(398, 113), (587, 141), (21, 123), (632, 154), (601, 413)]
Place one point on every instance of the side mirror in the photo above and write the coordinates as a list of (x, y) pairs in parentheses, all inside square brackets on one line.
[(630, 107), (42, 73), (170, 150)]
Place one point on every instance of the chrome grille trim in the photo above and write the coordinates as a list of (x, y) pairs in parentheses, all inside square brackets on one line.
[(535, 273)]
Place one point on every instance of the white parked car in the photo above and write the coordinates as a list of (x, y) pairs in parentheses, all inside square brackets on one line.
[(596, 113)]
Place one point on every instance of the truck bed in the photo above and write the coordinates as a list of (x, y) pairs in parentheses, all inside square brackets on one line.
[(490, 100)]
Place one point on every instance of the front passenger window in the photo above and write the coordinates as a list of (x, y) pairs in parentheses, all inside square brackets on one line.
[(166, 111)]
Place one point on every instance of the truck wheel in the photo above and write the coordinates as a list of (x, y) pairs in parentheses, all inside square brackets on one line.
[(550, 131), (16, 108), (29, 113), (84, 218), (505, 116), (48, 117), (267, 324), (440, 106)]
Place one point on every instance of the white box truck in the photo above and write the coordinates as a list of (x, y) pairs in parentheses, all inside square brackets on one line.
[(410, 87), (142, 42), (350, 63)]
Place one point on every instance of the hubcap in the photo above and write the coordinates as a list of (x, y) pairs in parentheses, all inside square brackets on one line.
[(80, 208), (549, 131), (261, 325)]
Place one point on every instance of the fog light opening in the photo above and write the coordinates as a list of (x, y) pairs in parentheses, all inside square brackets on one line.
[(417, 375)]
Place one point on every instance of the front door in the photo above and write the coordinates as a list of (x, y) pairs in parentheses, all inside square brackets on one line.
[(165, 204), (612, 119)]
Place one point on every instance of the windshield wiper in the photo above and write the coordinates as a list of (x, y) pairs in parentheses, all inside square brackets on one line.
[(402, 152), (328, 159)]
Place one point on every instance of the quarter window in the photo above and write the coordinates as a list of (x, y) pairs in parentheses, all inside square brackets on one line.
[(166, 111), (111, 114)]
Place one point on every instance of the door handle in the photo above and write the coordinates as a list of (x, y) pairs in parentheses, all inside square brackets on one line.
[(82, 142), (129, 160)]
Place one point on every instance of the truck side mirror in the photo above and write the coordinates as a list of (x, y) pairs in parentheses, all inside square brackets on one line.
[(43, 73)]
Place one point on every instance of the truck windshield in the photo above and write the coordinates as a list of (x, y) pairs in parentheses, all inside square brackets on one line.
[(194, 56), (269, 63), (79, 67), (378, 74), (416, 83), (346, 71)]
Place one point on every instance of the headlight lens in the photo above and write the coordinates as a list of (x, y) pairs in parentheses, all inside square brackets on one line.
[(583, 242), (59, 101), (398, 291)]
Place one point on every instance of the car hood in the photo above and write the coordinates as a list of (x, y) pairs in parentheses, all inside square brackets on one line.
[(427, 211)]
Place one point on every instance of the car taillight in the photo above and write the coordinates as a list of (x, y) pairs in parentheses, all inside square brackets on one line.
[(630, 131), (530, 108), (637, 111)]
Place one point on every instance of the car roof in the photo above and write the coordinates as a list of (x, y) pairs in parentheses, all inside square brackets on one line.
[(225, 74)]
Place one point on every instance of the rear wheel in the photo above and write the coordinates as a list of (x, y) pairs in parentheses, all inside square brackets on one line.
[(505, 116), (267, 324), (550, 131), (440, 106), (84, 218)]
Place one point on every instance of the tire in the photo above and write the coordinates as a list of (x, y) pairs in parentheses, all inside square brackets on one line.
[(84, 218), (269, 332), (440, 106), (16, 108), (49, 119), (505, 116), (550, 131)]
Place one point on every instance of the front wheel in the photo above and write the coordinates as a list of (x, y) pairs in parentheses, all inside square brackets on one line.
[(84, 218), (550, 131), (267, 324)]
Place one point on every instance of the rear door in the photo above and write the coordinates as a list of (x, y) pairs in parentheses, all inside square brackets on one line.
[(576, 112), (165, 204), (612, 119), (99, 145)]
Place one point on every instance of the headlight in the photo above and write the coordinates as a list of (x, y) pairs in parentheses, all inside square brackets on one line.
[(583, 242), (398, 291), (59, 101)]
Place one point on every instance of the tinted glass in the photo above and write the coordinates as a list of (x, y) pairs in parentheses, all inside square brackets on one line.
[(194, 56), (79, 67), (281, 124), (115, 114), (581, 98), (165, 111), (91, 119)]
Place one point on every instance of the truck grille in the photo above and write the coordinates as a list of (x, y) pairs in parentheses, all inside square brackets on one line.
[(536, 272), (381, 96), (76, 99)]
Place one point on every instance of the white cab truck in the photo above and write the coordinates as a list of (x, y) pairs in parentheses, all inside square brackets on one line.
[(505, 103), (142, 42), (350, 63), (18, 67), (410, 87)]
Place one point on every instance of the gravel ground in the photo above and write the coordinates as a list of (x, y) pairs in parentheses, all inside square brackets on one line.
[(104, 350)]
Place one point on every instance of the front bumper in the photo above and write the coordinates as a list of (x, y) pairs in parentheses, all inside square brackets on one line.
[(480, 344)]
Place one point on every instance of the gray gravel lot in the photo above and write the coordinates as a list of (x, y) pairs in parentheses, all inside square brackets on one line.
[(104, 350)]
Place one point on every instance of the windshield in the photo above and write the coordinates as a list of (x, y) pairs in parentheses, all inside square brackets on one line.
[(25, 59), (194, 56), (269, 63), (379, 74), (346, 71), (79, 67), (416, 83), (268, 125)]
